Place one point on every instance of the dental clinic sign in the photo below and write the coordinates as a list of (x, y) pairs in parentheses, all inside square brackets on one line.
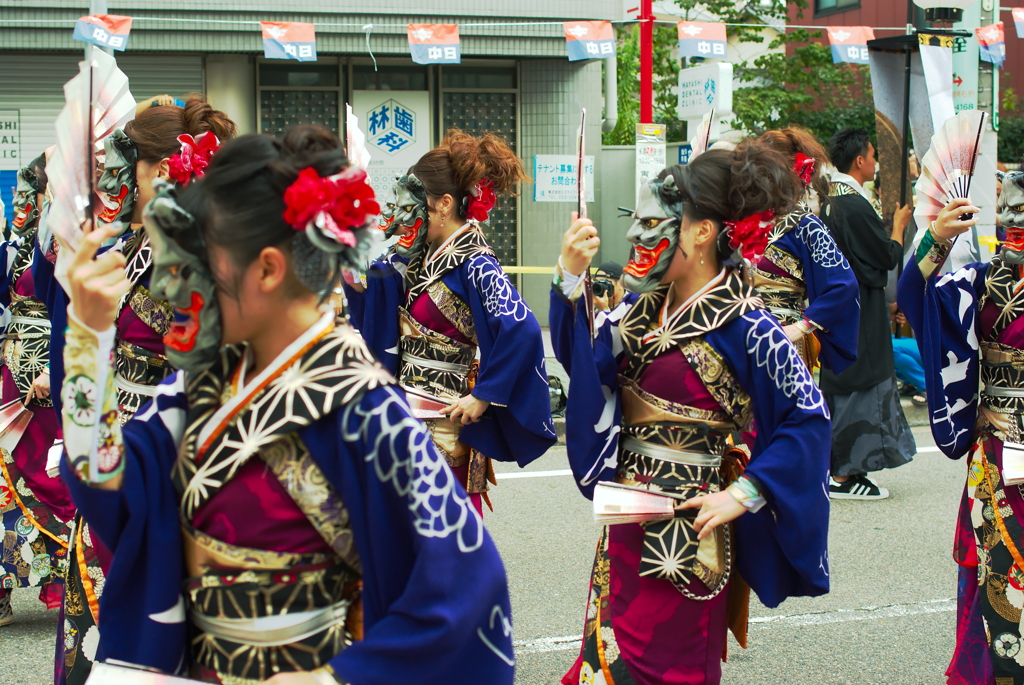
[(10, 140), (703, 88), (397, 128)]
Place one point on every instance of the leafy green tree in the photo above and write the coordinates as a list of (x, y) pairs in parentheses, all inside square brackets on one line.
[(665, 71), (799, 85)]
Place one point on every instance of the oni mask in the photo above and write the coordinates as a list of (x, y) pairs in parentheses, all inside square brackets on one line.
[(407, 216), (182, 278), (117, 185), (1011, 216), (25, 204), (655, 236)]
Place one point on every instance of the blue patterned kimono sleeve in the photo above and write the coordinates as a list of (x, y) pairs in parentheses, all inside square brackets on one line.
[(943, 311), (144, 621), (832, 293), (435, 596), (374, 312), (782, 549), (593, 414), (513, 375)]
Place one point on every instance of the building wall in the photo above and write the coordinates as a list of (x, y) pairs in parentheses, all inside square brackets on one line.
[(230, 26), (882, 13), (552, 91)]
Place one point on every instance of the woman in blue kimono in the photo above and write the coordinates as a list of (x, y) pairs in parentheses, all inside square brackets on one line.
[(162, 142), (653, 400), (803, 276), (35, 508), (970, 330), (445, 319), (282, 462)]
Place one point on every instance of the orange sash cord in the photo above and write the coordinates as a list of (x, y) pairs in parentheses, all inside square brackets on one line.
[(24, 509), (1005, 534), (83, 568), (226, 421)]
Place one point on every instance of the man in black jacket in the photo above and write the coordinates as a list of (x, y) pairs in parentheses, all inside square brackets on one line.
[(869, 430)]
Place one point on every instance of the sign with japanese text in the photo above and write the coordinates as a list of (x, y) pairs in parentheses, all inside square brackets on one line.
[(10, 140), (397, 128), (992, 43), (289, 40), (850, 43), (966, 56), (685, 152), (589, 40), (701, 39), (104, 30), (651, 152), (704, 87), (434, 43), (554, 178)]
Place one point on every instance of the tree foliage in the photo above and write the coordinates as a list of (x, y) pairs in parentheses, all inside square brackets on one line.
[(793, 82), (666, 69)]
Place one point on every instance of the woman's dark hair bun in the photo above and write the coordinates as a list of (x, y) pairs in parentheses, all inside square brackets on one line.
[(239, 202), (155, 130), (729, 185), (762, 179), (310, 146), (199, 117)]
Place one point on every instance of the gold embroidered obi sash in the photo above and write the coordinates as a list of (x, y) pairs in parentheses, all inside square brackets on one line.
[(138, 370), (26, 350), (256, 611), (1002, 366), (675, 449), (784, 295)]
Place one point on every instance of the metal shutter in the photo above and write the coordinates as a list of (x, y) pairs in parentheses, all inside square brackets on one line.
[(34, 84)]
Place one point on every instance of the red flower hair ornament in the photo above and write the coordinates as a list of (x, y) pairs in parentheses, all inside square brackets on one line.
[(194, 157), (482, 200), (750, 235), (804, 168), (330, 209)]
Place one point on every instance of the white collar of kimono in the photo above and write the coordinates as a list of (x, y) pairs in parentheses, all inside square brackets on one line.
[(450, 239), (668, 319), (286, 355), (840, 177)]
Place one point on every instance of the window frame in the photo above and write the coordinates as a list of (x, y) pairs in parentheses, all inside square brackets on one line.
[(856, 5)]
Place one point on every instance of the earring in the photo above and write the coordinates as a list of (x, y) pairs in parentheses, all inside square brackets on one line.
[(702, 258)]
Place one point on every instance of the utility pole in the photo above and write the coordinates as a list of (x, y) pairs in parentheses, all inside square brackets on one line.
[(646, 62)]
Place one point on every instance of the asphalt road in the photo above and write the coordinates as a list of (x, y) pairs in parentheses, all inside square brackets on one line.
[(889, 619)]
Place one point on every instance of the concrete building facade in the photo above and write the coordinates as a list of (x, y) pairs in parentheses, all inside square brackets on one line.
[(514, 79)]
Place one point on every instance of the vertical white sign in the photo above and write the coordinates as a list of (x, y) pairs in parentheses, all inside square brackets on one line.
[(965, 61), (10, 140), (651, 152), (397, 128)]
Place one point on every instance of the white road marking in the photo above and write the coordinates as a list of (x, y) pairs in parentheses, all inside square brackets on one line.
[(533, 474), (869, 613)]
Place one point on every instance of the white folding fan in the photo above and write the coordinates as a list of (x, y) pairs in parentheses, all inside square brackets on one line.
[(702, 141), (948, 166), (97, 102)]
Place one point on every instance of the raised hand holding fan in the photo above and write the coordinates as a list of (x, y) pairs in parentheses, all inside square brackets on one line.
[(97, 102), (948, 166)]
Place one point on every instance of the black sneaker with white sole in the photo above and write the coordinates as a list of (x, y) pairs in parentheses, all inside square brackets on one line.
[(856, 487)]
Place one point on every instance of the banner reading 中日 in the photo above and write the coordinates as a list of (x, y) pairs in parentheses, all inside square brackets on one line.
[(397, 128)]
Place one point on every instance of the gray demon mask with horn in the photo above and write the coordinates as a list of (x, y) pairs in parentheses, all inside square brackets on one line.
[(654, 234)]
